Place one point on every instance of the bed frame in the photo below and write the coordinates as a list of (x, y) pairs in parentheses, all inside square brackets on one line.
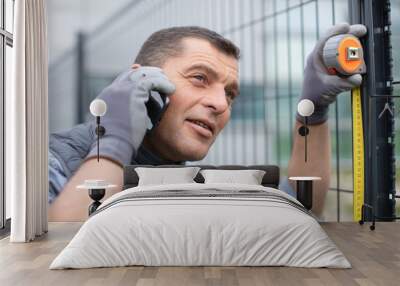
[(270, 179)]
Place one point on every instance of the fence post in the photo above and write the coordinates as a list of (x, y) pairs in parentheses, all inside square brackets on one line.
[(376, 93)]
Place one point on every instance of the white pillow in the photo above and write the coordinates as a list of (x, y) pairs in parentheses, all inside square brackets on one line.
[(162, 176), (249, 177)]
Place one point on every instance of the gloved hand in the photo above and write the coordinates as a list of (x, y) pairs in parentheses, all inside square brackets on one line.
[(319, 86), (125, 121)]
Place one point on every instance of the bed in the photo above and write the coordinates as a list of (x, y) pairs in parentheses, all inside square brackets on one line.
[(201, 224)]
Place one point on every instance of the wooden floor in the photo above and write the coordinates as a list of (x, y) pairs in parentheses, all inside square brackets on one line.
[(374, 255)]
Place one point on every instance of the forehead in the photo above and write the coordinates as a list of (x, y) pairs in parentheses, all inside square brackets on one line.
[(199, 51)]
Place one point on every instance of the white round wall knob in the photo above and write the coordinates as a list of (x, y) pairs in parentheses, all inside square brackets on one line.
[(305, 107), (98, 107)]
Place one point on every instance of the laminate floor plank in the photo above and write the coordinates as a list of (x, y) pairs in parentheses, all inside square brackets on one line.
[(374, 255)]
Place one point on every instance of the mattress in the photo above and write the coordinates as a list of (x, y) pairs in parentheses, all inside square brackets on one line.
[(201, 225)]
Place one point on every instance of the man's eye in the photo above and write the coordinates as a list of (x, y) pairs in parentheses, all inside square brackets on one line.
[(200, 78)]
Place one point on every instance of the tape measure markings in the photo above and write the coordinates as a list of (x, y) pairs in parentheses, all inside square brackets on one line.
[(358, 154)]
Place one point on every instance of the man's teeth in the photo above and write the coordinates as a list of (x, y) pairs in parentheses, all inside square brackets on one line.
[(201, 124)]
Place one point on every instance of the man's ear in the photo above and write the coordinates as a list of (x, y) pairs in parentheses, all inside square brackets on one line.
[(135, 66)]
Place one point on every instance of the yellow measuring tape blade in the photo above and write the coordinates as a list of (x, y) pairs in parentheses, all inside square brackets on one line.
[(358, 155)]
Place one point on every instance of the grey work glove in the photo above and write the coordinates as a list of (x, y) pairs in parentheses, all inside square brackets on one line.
[(126, 120), (318, 85)]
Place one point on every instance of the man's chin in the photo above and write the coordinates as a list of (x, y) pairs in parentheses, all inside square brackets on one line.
[(177, 148), (195, 156), (195, 152)]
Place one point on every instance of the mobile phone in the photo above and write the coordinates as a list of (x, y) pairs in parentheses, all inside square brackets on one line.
[(156, 106)]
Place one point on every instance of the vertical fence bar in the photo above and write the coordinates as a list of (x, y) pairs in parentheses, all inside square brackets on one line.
[(220, 24), (302, 33), (290, 86), (233, 122), (225, 134), (230, 12), (243, 109), (317, 18), (264, 76), (276, 87), (337, 138), (253, 90)]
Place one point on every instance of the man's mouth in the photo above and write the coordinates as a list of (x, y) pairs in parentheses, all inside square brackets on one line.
[(203, 127)]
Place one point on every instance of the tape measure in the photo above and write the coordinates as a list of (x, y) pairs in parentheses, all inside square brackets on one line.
[(343, 55), (358, 154)]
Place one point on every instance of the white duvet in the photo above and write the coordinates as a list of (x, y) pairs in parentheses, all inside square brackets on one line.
[(183, 231)]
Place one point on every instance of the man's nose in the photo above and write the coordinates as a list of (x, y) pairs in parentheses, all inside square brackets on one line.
[(217, 100)]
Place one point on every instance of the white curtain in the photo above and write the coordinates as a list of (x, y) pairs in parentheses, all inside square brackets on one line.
[(27, 126)]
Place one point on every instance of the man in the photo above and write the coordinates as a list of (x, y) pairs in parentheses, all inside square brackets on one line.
[(198, 70)]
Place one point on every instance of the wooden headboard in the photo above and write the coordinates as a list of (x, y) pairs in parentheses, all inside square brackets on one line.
[(270, 179)]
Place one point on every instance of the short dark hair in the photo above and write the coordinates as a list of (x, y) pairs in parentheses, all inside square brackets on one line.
[(167, 43)]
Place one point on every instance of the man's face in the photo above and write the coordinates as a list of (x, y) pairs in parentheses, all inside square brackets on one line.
[(206, 83)]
